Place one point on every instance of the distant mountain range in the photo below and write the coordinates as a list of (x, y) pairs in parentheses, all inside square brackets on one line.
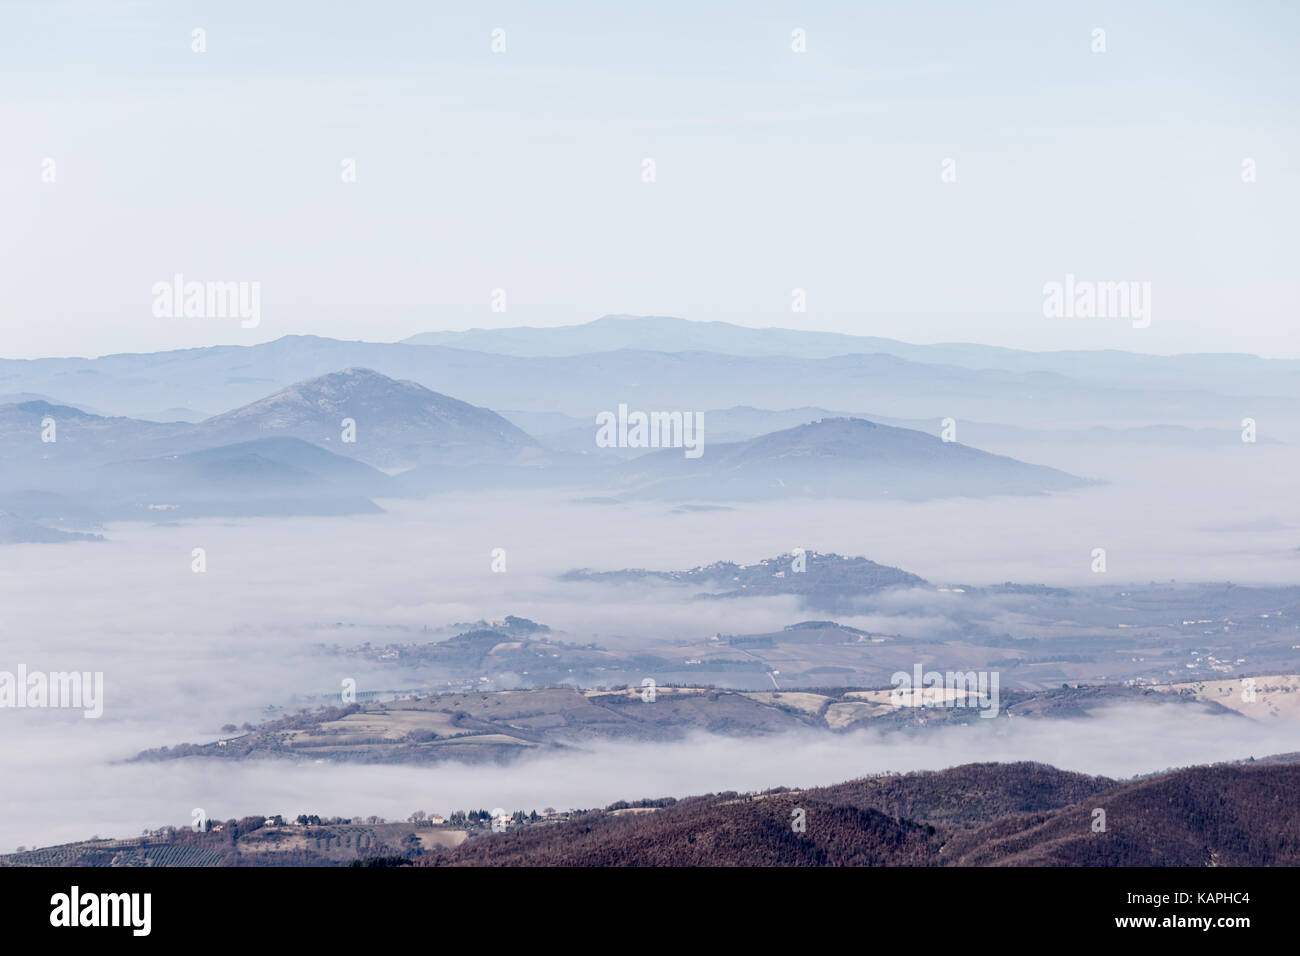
[(1236, 373), (317, 447), (672, 363), (64, 466), (667, 334), (394, 425)]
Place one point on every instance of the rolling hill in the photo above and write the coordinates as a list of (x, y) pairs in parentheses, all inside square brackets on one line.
[(78, 437), (819, 573), (840, 457), (268, 476), (976, 815), (984, 814), (15, 529)]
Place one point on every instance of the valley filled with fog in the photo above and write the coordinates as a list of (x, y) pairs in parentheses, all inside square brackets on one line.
[(184, 654)]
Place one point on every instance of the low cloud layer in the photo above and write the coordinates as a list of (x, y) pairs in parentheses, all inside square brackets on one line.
[(184, 653), (72, 793)]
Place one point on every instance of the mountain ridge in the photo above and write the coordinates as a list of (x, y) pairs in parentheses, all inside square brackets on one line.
[(928, 384), (414, 424)]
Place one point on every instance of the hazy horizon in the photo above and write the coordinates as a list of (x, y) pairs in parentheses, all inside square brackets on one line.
[(782, 161), (776, 326)]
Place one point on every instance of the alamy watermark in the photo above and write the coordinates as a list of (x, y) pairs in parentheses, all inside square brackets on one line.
[(127, 910), (1086, 299), (179, 299), (80, 690), (953, 689), (651, 430)]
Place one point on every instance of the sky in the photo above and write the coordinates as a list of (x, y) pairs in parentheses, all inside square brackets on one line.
[(523, 169)]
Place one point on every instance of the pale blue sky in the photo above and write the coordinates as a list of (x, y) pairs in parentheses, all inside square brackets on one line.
[(776, 170)]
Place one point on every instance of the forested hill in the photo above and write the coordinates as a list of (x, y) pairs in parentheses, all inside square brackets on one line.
[(980, 814)]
